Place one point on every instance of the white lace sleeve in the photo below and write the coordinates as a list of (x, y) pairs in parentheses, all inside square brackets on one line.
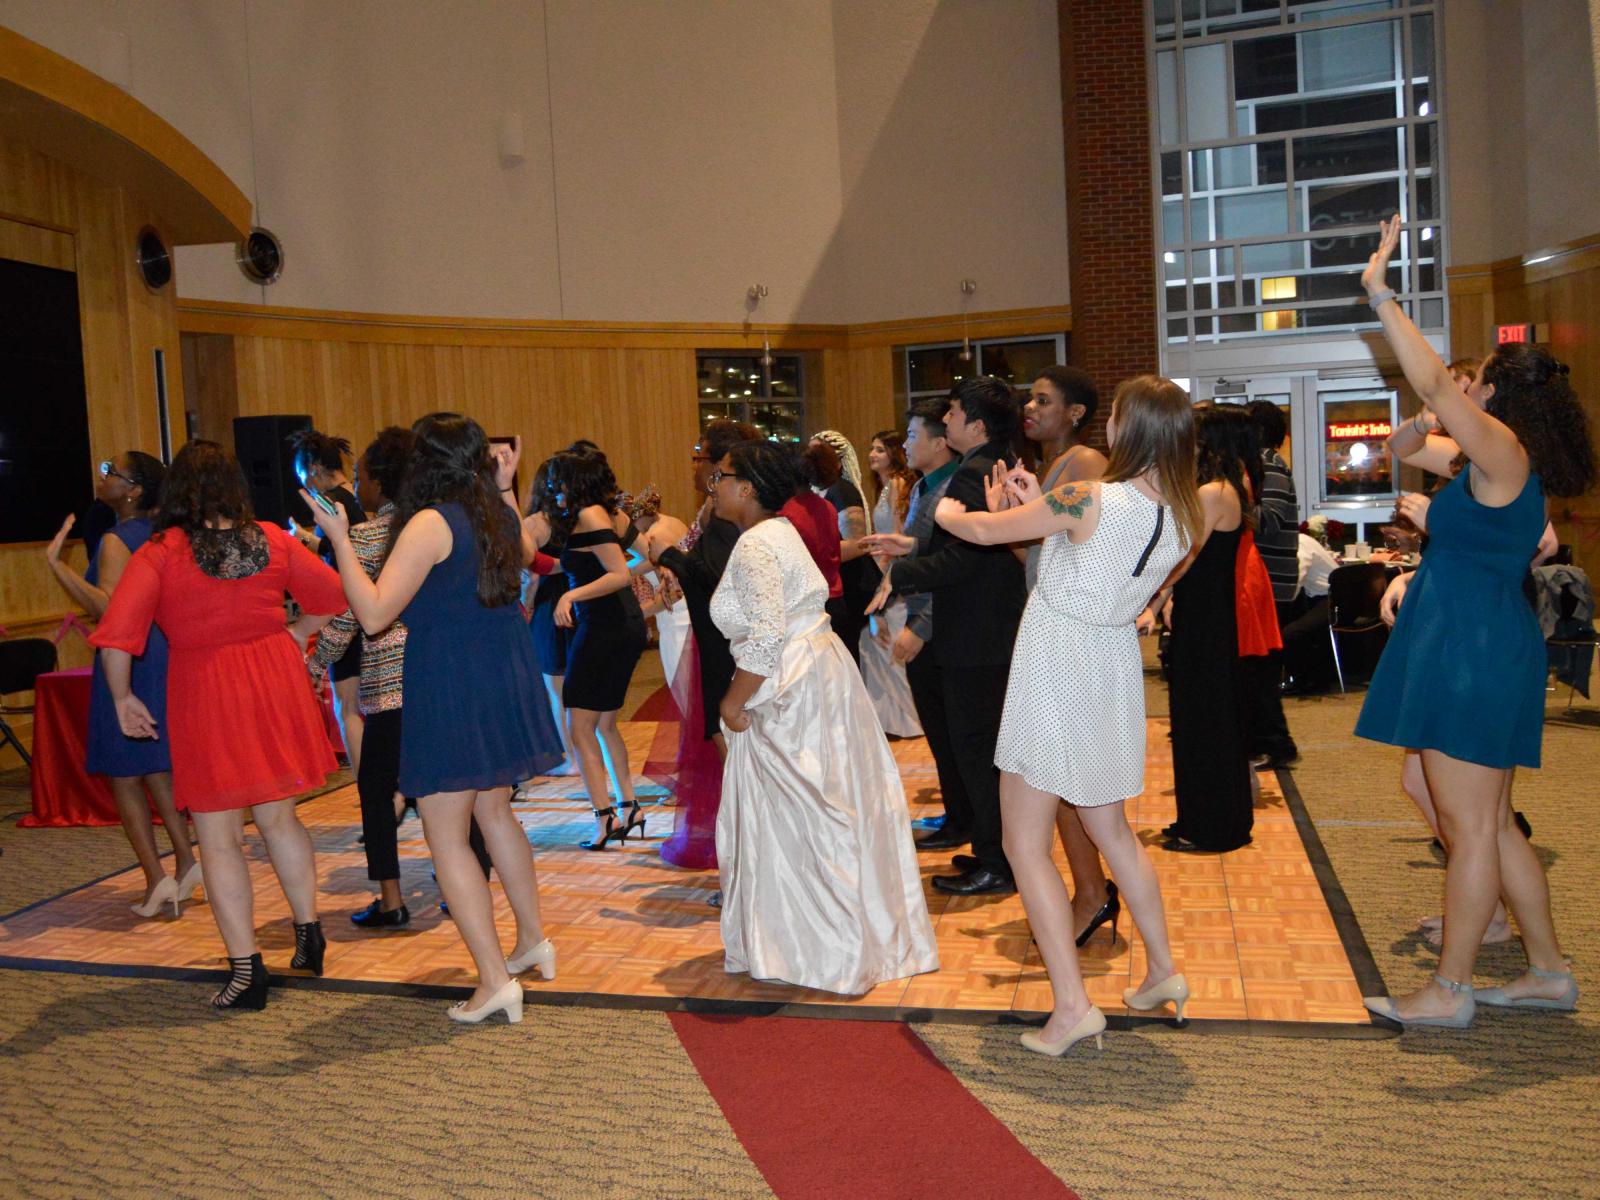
[(757, 580)]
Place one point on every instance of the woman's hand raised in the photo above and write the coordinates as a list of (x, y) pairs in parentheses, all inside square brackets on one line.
[(335, 524), (506, 458), (1375, 277), (52, 553)]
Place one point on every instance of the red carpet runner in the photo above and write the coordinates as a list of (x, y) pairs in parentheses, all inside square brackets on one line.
[(831, 1109)]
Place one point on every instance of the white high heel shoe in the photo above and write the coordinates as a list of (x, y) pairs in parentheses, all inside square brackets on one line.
[(1174, 990), (507, 999), (1091, 1025), (542, 956), (164, 893), (191, 882)]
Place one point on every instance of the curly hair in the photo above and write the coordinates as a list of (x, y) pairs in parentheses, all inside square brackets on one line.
[(1534, 397), (771, 468), (318, 449), (203, 484), (1075, 387), (388, 459), (574, 481), (722, 434), (145, 472), (1230, 449), (451, 463)]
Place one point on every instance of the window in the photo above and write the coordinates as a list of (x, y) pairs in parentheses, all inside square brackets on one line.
[(772, 397), (934, 370), (1356, 462), (1286, 132)]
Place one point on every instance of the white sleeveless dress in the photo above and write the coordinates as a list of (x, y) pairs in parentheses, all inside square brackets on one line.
[(1074, 715), (885, 678)]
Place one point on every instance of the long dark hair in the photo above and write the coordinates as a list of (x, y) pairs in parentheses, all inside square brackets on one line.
[(450, 462), (580, 479), (203, 484), (1230, 449), (1534, 397), (388, 460)]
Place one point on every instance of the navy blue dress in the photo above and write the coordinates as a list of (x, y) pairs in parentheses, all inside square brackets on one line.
[(475, 715), (110, 753)]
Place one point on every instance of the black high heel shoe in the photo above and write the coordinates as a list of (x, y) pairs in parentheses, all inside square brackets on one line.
[(1110, 911), (634, 820), (613, 830), (247, 988), (309, 947)]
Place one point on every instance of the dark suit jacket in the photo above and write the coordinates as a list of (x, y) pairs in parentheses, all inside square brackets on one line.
[(699, 571), (978, 591)]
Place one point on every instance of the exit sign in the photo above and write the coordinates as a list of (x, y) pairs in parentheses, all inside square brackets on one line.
[(1506, 335)]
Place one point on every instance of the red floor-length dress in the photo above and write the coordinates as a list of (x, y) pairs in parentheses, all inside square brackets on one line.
[(244, 722)]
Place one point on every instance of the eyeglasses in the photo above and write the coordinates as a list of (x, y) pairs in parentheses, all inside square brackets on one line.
[(718, 476), (108, 469)]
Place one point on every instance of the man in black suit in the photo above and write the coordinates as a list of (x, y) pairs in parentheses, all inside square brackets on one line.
[(978, 596)]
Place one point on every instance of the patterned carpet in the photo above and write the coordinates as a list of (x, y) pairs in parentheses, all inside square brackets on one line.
[(130, 1088)]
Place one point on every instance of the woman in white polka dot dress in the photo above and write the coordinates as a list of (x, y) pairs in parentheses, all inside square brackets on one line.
[(1074, 724)]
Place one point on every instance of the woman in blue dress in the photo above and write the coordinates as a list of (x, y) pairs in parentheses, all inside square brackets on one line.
[(130, 486), (475, 721), (1462, 677)]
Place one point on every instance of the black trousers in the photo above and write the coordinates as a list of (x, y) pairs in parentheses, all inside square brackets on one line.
[(376, 784), (848, 621), (974, 699), (1266, 730), (1307, 653), (927, 695)]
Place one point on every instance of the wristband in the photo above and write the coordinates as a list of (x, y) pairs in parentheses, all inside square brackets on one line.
[(1416, 423), (1378, 298)]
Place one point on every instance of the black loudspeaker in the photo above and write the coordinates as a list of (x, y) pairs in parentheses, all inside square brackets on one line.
[(262, 447)]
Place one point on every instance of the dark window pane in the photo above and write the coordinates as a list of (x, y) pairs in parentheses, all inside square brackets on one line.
[(1341, 110), (1422, 47), (1177, 330), (1331, 287), (1421, 99), (1018, 362), (1204, 326), (1265, 67), (1172, 174), (710, 412), (1346, 154), (786, 376), (1427, 207), (1237, 323), (733, 377), (1272, 162), (783, 422), (1344, 251), (937, 369), (1176, 301), (1355, 314), (1426, 138), (1353, 203)]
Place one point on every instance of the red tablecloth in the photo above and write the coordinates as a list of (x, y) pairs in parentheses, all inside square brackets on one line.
[(63, 792)]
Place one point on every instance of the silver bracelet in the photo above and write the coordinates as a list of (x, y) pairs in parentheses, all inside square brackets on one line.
[(1378, 298), (1416, 423)]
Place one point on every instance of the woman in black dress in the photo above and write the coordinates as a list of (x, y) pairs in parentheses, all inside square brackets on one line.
[(550, 641), (608, 633), (1210, 769)]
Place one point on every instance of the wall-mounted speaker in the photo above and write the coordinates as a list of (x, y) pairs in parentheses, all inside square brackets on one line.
[(155, 260), (260, 256), (262, 446)]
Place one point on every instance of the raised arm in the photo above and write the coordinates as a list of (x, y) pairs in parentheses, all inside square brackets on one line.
[(91, 598), (1068, 507), (1491, 446)]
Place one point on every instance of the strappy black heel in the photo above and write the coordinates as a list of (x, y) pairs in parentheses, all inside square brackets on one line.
[(1109, 911), (309, 947), (634, 820), (247, 988), (613, 830)]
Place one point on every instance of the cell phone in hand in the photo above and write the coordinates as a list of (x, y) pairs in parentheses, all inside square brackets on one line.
[(323, 502)]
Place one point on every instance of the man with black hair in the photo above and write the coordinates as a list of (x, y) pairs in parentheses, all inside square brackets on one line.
[(978, 595)]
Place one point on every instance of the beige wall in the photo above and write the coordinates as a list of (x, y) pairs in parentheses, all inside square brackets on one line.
[(1524, 151), (857, 156)]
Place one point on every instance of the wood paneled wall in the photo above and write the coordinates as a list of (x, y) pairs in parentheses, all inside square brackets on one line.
[(1562, 291), (52, 214)]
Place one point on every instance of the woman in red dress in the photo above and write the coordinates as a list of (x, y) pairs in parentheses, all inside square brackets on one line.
[(244, 726)]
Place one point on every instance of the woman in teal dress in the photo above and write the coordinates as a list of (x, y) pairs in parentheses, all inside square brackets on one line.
[(1462, 678)]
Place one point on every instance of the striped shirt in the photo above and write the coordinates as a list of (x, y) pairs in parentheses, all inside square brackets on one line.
[(1278, 531), (382, 657)]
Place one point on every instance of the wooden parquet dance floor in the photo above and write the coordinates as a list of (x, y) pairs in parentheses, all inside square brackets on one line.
[(1251, 929)]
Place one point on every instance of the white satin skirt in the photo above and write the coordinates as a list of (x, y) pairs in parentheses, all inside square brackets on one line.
[(886, 679), (820, 885)]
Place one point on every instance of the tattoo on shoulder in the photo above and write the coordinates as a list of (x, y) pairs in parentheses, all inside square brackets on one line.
[(1070, 499)]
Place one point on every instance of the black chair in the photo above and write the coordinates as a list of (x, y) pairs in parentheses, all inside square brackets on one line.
[(21, 664), (1355, 594)]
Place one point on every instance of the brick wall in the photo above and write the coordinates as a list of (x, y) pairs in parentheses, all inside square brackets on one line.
[(1110, 233)]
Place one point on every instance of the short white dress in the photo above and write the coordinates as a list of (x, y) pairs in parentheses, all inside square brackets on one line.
[(1074, 718)]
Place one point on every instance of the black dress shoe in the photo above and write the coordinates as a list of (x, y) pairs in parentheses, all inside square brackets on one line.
[(1172, 832), (373, 916), (1522, 824), (965, 862), (943, 841), (981, 882)]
